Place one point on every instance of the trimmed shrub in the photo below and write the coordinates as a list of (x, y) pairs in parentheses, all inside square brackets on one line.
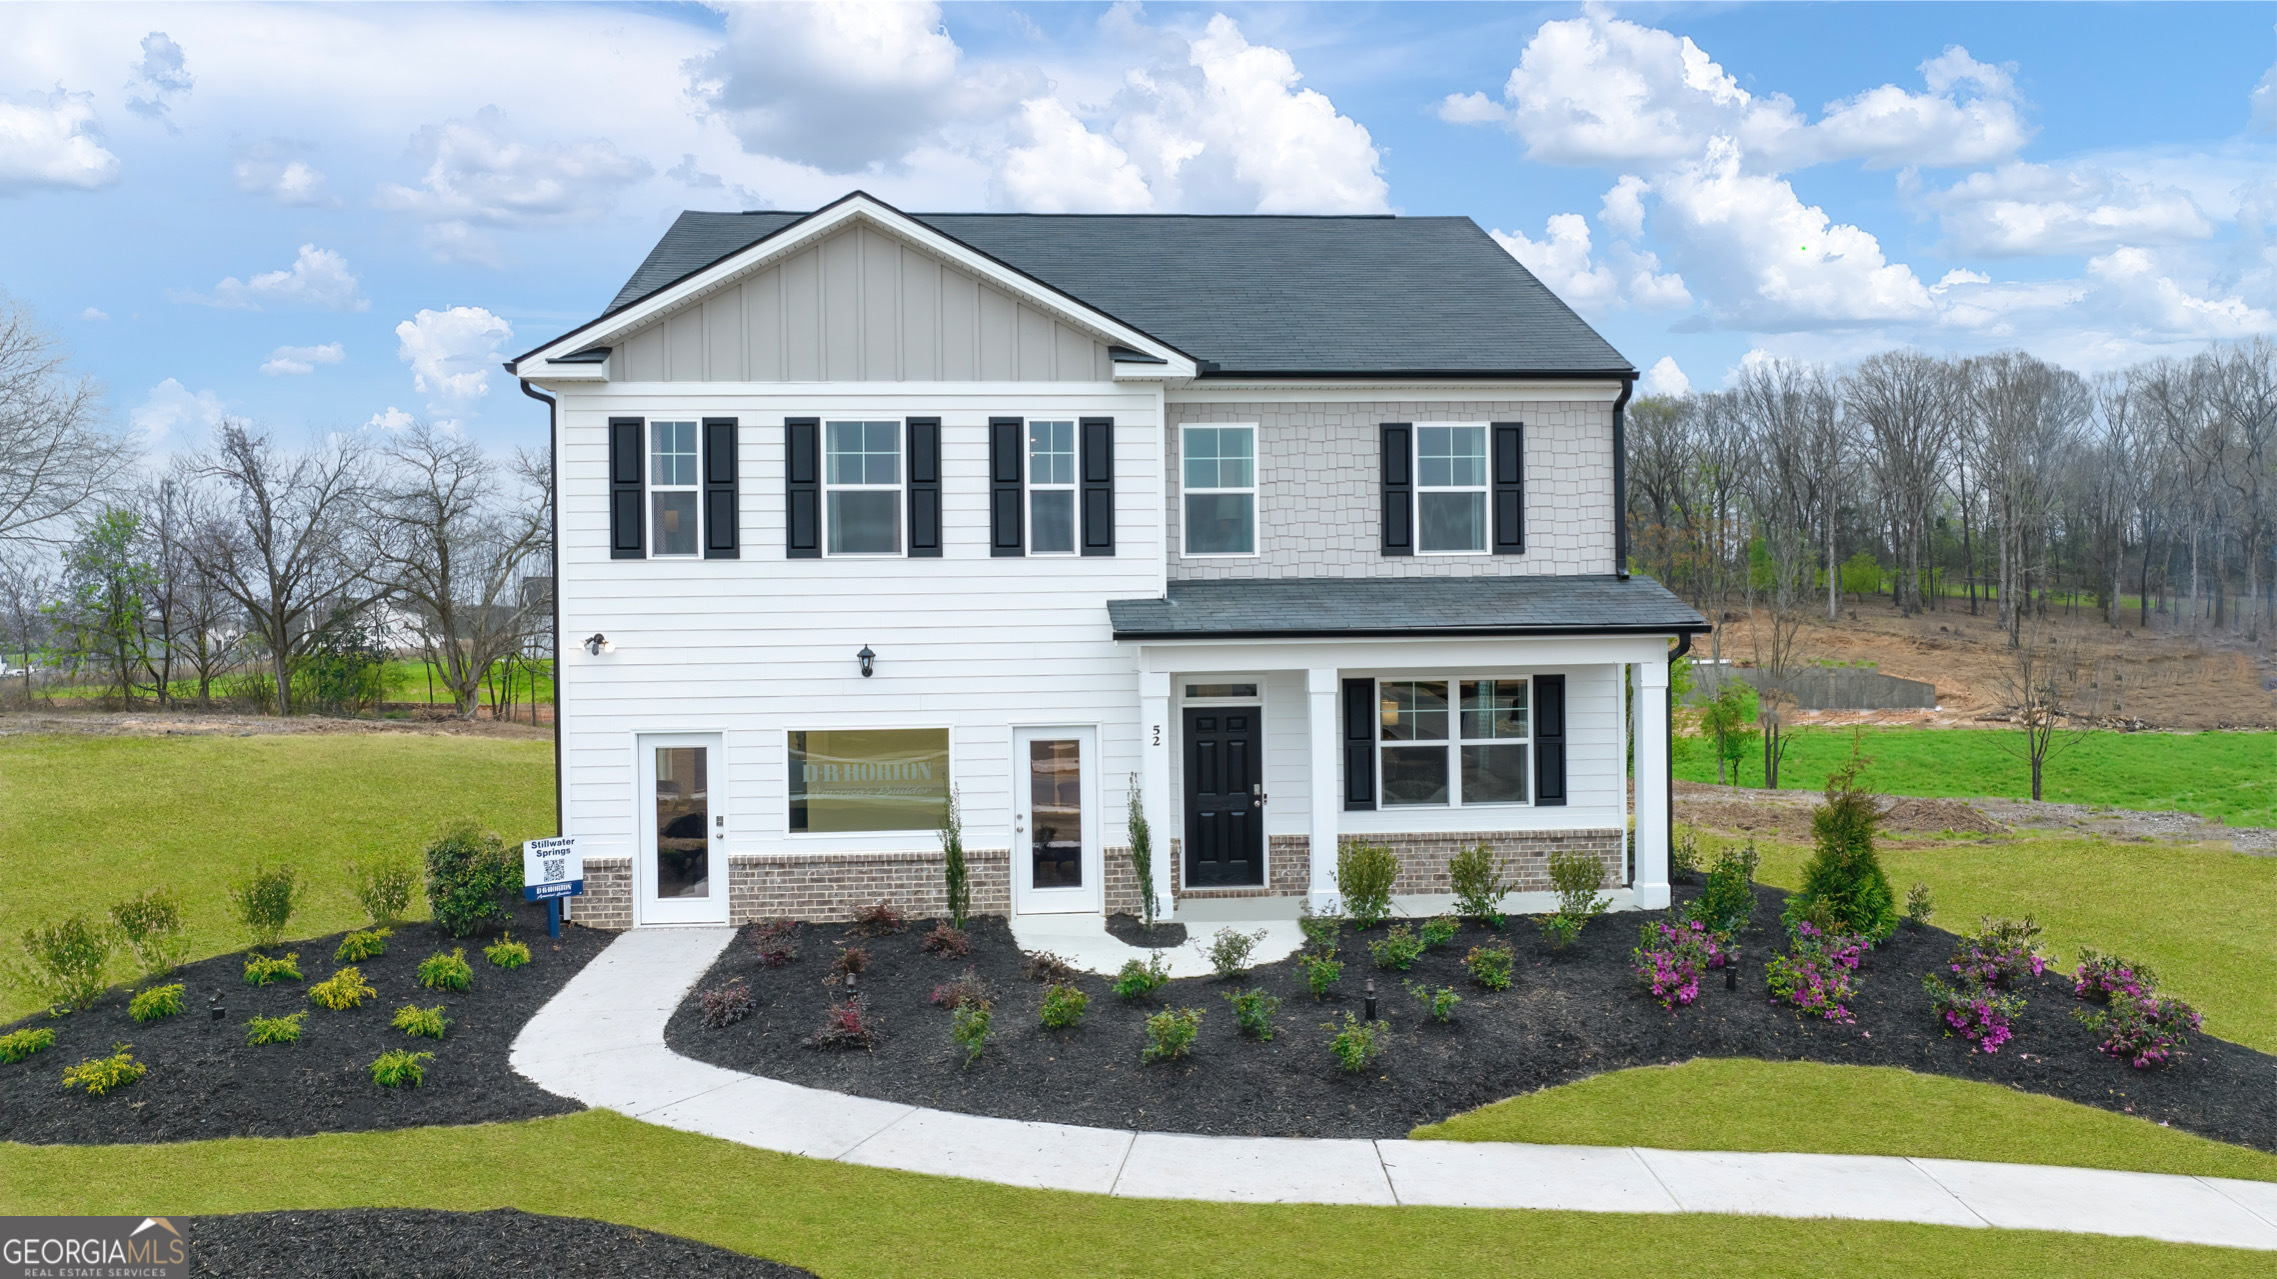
[(1671, 955), (264, 901), (1918, 907), (150, 925), (725, 1005), (274, 1030), (156, 1002), (1684, 853), (1170, 1034), (968, 1029), (1439, 1003), (1229, 952), (2142, 1030), (1137, 981), (19, 1045), (1049, 968), (2102, 978), (879, 920), (956, 875), (99, 1075), (446, 972), (2000, 953), (471, 876), (507, 953), (1576, 875), (773, 939), (852, 961), (383, 888), (1439, 930), (969, 989), (424, 1023), (1844, 876), (1063, 1006), (1139, 838), (1820, 975), (847, 1025), (1478, 884), (1358, 1042), (396, 1068), (260, 970), (1253, 1011), (1321, 972), (1397, 950), (1974, 1011), (1728, 901), (1365, 874), (1492, 966), (1322, 930), (67, 962), (356, 947), (946, 941), (342, 990)]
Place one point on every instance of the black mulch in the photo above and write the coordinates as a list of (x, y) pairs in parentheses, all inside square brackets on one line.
[(1165, 935), (1568, 1016), (417, 1243), (205, 1081)]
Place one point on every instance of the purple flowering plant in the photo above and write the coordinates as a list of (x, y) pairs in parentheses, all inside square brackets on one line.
[(2104, 978), (1671, 955), (1820, 973), (1999, 953), (1975, 1011), (2142, 1030)]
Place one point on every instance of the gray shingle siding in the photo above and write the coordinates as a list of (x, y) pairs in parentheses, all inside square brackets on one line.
[(1548, 605)]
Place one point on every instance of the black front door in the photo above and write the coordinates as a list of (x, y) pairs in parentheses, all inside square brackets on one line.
[(1225, 811)]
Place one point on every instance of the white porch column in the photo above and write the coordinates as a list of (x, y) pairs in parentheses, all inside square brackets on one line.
[(1652, 785), (1154, 779), (1327, 782)]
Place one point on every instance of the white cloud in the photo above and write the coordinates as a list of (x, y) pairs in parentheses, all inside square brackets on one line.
[(53, 142), (1066, 168), (163, 72), (1562, 260), (302, 359), (391, 419), (1623, 207), (1664, 378), (2147, 297), (2261, 104), (317, 277), (94, 313), (478, 176), (2023, 209), (452, 352), (274, 169), (171, 406)]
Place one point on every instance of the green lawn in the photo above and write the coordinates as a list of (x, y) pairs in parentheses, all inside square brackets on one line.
[(2232, 776), (1743, 1104), (847, 1222), (86, 821)]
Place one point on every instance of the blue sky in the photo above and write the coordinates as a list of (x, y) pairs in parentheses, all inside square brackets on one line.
[(325, 216)]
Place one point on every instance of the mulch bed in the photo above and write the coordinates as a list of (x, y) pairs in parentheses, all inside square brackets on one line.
[(1569, 1015), (1128, 930), (205, 1081), (413, 1243)]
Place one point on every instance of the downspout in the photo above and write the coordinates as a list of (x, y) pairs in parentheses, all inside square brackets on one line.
[(1621, 479), (1668, 723), (553, 474)]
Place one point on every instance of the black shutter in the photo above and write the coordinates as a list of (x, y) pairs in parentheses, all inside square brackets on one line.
[(1549, 739), (925, 488), (1097, 464), (1360, 713), (1399, 489), (626, 466), (1005, 450), (721, 512), (1509, 488), (802, 488)]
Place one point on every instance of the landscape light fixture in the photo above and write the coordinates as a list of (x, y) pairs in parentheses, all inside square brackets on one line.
[(1371, 996), (866, 657), (597, 644)]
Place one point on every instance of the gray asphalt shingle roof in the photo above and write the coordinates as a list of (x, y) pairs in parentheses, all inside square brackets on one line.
[(1252, 294), (1361, 607)]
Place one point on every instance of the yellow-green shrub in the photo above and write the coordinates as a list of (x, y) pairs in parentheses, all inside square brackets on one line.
[(356, 947), (260, 971), (274, 1030), (430, 1023), (99, 1075), (156, 1002), (446, 972), (342, 990)]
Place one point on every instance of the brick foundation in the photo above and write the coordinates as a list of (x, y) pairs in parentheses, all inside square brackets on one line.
[(828, 888), (608, 898), (1523, 857)]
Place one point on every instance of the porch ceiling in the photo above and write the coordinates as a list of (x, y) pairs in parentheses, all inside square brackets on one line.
[(1291, 608)]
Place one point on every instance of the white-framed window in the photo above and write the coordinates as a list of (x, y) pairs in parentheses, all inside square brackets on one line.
[(1450, 487), (1476, 749), (1051, 487), (1220, 479), (672, 499), (861, 481)]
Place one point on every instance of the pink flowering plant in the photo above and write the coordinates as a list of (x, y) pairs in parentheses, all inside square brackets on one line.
[(2104, 978), (2000, 953), (1975, 1011), (2142, 1030), (1671, 955), (1819, 974)]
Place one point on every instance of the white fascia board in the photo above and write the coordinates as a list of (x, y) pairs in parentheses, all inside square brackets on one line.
[(916, 396), (1440, 390), (1393, 654), (894, 223)]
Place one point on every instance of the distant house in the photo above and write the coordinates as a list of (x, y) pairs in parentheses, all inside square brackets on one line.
[(1303, 529)]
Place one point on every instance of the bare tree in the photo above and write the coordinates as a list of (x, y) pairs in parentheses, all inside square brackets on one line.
[(283, 538), (55, 456), (1905, 402), (2244, 388), (454, 548), (27, 587), (2026, 411), (2042, 671)]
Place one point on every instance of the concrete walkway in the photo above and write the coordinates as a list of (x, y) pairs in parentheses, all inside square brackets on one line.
[(601, 1041)]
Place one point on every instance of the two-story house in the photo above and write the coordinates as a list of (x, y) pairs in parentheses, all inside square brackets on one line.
[(1294, 529)]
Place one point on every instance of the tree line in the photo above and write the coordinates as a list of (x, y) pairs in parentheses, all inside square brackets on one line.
[(286, 575)]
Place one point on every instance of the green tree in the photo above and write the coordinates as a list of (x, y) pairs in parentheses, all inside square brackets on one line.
[(1724, 721), (107, 581), (1844, 876)]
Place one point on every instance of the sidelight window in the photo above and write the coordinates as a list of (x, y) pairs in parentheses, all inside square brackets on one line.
[(1220, 479), (862, 487)]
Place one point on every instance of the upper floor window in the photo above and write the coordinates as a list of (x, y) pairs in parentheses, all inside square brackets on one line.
[(1051, 488), (862, 487), (672, 480), (1221, 489), (1450, 488)]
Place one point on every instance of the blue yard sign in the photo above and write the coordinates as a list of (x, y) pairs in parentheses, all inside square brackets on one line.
[(552, 868)]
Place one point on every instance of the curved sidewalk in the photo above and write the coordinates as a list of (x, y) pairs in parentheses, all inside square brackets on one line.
[(601, 1041)]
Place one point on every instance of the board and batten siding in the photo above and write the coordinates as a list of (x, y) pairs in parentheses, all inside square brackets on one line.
[(860, 306), (762, 645)]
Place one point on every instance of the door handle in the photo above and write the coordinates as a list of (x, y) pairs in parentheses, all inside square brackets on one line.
[(1257, 793)]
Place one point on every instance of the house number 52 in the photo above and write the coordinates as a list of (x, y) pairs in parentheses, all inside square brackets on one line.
[(1158, 734)]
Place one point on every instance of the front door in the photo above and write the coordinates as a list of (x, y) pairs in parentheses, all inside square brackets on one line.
[(681, 870), (1056, 866), (1225, 799)]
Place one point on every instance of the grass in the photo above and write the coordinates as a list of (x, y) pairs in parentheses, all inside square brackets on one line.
[(1744, 1104), (848, 1222), (2232, 776), (87, 821)]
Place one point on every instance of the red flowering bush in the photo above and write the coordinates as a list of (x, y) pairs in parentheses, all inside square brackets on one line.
[(1820, 974), (1974, 1011), (1670, 956), (725, 1005), (2142, 1030), (848, 1025), (772, 939), (947, 942)]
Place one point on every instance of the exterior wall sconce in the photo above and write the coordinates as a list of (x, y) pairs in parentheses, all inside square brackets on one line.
[(865, 657), (597, 644)]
